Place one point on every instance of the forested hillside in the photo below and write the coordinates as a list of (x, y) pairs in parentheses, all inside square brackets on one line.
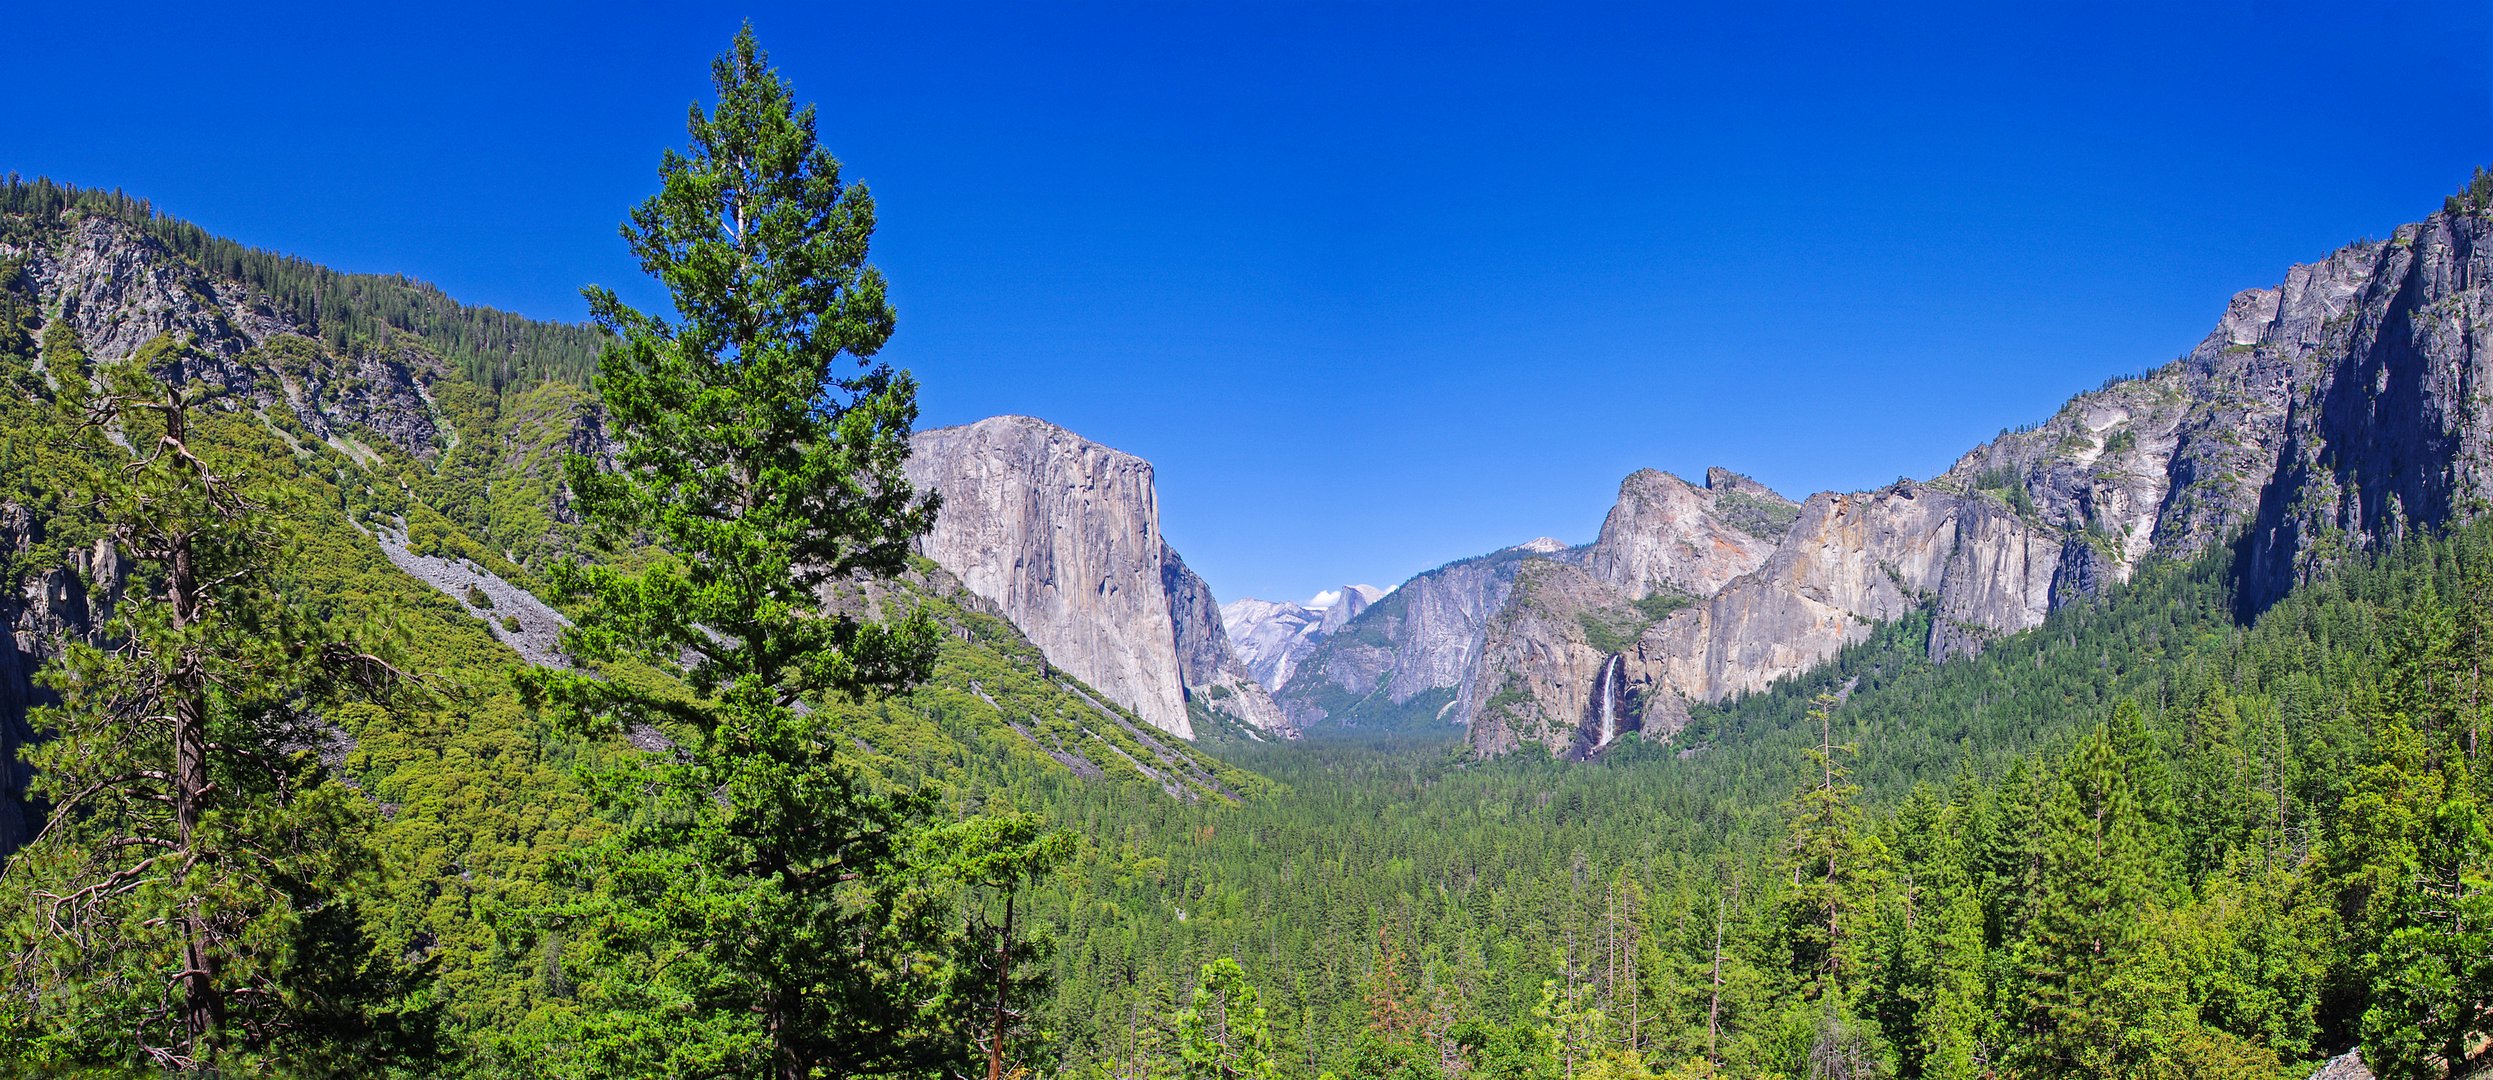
[(2141, 840), (306, 790), (464, 803)]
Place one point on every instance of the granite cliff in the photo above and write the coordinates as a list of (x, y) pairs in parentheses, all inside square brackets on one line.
[(1273, 636), (1551, 658), (2338, 410), (1063, 534), (1403, 660)]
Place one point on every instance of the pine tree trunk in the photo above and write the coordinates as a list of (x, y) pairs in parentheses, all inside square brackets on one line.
[(787, 1059), (1003, 974), (1714, 1005), (189, 690)]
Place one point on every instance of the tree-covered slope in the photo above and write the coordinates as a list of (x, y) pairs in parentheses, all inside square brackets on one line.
[(2262, 772), (1881, 866), (372, 402)]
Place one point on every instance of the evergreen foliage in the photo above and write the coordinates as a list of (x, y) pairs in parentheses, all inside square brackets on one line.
[(758, 911), (2143, 840), (345, 311), (189, 905)]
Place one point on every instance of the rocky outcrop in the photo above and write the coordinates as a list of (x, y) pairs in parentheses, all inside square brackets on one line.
[(1666, 533), (50, 607), (118, 289), (1404, 659), (1063, 534), (1552, 669), (2388, 427), (1273, 636), (2332, 413), (2346, 1066), (1849, 563)]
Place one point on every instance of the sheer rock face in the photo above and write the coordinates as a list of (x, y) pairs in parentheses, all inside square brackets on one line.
[(1064, 535), (2389, 427), (53, 608), (1273, 636), (2339, 410), (1547, 674)]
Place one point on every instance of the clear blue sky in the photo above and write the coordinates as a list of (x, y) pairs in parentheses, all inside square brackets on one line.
[(1376, 286)]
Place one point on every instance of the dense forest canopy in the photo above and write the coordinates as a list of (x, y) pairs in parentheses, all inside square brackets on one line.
[(305, 813)]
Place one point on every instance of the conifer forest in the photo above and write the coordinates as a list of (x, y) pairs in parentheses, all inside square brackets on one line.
[(402, 688)]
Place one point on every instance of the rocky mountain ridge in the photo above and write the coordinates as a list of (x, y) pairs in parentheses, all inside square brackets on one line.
[(1273, 636), (2333, 412), (2337, 410)]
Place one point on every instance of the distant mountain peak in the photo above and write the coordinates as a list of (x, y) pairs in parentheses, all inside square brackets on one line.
[(1272, 636)]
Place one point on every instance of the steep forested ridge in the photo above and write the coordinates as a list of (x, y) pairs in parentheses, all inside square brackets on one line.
[(2147, 838), (473, 801), (489, 347)]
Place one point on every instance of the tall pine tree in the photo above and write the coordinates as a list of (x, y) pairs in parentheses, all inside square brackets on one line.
[(756, 913), (1830, 859), (190, 902), (2098, 875)]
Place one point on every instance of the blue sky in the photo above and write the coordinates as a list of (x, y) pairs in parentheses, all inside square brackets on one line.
[(1376, 286)]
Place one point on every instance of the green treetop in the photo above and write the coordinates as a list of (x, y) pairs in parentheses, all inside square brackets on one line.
[(758, 914)]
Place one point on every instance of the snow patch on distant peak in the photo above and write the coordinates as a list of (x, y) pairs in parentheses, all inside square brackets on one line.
[(1272, 636), (1541, 545)]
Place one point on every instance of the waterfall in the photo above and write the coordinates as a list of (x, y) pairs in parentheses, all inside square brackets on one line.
[(1606, 688)]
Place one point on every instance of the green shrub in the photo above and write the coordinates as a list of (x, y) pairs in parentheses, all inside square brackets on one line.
[(1659, 604), (2475, 198), (1756, 515)]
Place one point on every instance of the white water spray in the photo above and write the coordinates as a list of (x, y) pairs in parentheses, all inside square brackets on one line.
[(1606, 688)]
